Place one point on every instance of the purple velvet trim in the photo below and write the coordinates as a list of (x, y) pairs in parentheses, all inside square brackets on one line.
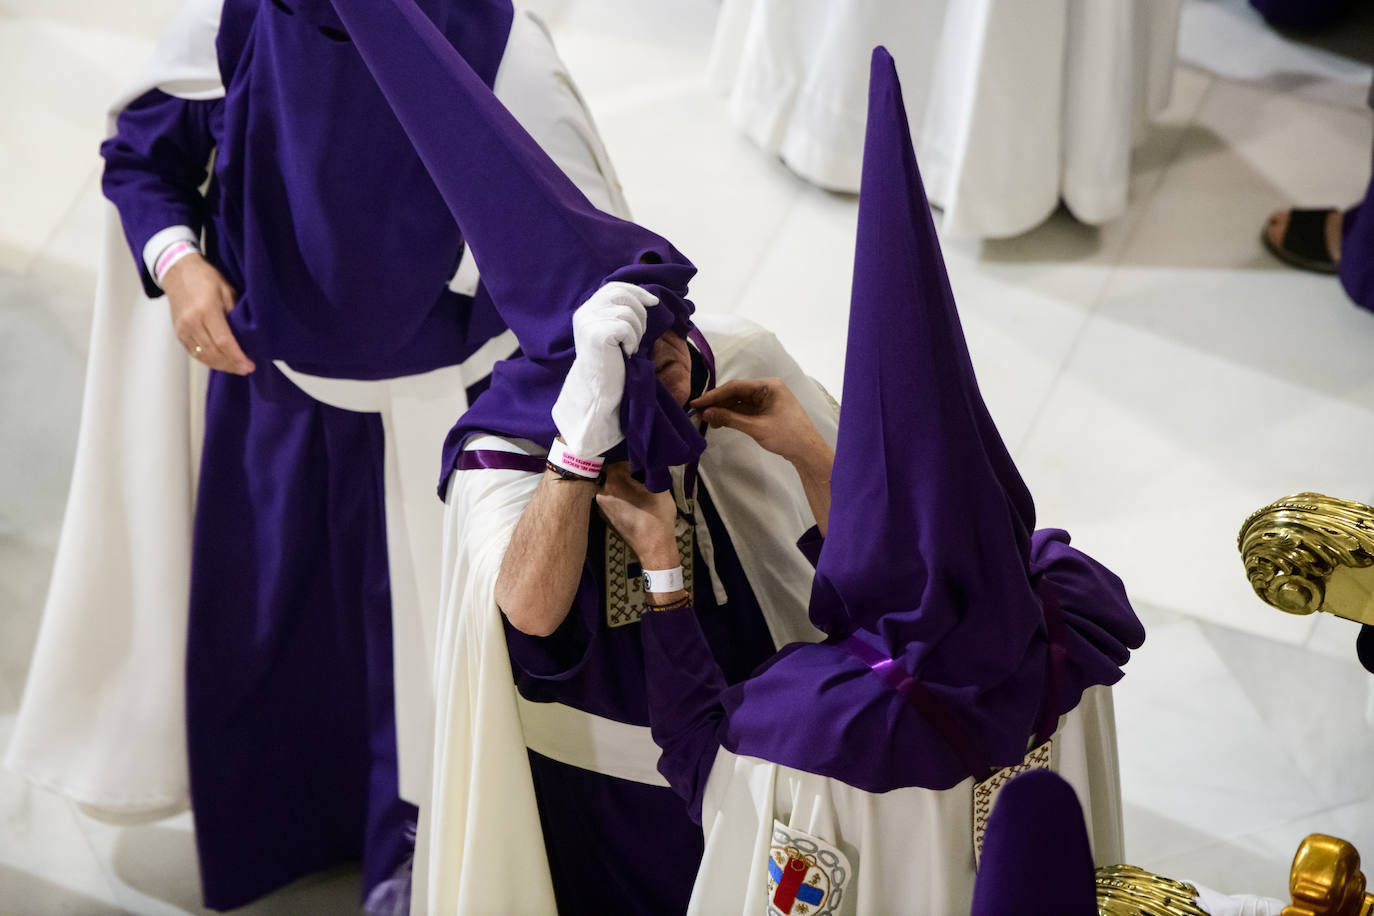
[(493, 460), (930, 708)]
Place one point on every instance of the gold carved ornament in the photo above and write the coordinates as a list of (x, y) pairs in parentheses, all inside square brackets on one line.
[(1325, 880), (1309, 553), (1124, 890)]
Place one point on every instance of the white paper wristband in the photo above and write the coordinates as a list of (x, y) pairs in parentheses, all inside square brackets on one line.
[(559, 456), (663, 581)]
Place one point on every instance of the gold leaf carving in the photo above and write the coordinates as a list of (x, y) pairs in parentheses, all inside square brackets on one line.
[(1294, 547)]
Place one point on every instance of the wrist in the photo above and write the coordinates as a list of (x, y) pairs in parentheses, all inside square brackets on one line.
[(659, 553), (173, 275), (813, 457)]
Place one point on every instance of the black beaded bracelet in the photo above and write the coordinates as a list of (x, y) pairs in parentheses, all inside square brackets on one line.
[(677, 605)]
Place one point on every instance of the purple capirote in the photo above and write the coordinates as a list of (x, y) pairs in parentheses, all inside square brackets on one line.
[(929, 564), (1036, 857), (542, 247)]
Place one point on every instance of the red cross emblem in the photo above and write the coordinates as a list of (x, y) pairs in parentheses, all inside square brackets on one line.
[(796, 881)]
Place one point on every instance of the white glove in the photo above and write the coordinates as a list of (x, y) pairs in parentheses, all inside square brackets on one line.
[(1240, 905), (606, 329)]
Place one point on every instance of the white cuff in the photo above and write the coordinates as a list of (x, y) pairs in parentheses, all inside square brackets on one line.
[(164, 240)]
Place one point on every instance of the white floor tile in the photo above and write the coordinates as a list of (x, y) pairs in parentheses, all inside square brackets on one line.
[(1313, 705), (1204, 770), (800, 289), (57, 81), (702, 177), (1211, 380), (1333, 637)]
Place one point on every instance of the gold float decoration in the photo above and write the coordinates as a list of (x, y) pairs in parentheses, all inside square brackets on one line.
[(1124, 890), (1326, 880), (1309, 553)]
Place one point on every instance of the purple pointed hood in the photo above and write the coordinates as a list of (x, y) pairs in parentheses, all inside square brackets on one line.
[(957, 633), (929, 520), (322, 194), (1036, 858), (541, 246)]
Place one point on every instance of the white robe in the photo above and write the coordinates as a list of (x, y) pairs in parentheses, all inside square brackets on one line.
[(480, 839), (909, 850), (1013, 105), (103, 715)]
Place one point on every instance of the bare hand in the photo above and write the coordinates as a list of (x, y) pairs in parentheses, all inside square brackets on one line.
[(645, 520), (767, 411), (200, 299)]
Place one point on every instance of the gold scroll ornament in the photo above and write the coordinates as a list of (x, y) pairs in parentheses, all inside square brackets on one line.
[(1124, 890), (1309, 553), (1325, 880)]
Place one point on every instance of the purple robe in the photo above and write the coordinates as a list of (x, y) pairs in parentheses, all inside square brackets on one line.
[(290, 708), (1357, 251), (614, 845)]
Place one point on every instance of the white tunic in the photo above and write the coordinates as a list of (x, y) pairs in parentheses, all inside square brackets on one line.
[(480, 847), (103, 715), (1013, 105), (908, 850)]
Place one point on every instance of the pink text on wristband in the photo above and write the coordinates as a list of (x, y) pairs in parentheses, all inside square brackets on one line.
[(559, 456)]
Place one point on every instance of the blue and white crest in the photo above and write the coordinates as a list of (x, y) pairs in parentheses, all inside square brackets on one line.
[(806, 875)]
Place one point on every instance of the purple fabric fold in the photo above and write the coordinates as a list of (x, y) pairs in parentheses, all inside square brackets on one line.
[(541, 246)]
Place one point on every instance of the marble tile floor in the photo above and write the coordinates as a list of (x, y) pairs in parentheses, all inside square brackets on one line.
[(1157, 378)]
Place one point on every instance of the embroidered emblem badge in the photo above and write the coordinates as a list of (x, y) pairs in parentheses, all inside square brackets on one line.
[(985, 793), (806, 875)]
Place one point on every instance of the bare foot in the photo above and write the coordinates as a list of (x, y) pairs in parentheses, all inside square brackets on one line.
[(1278, 225)]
